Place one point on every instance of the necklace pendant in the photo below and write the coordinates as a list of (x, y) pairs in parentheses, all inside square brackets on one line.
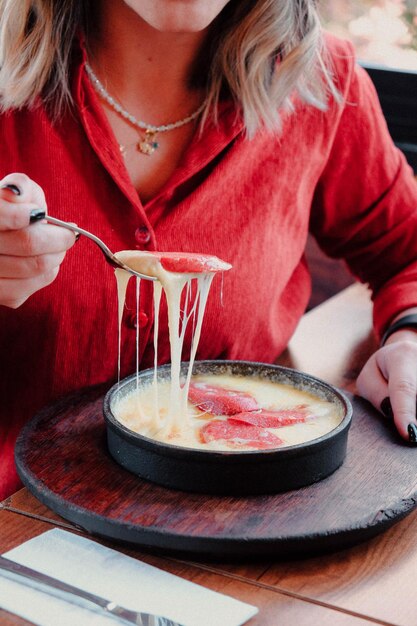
[(148, 145)]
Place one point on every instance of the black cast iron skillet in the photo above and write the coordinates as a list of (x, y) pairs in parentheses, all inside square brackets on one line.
[(234, 472)]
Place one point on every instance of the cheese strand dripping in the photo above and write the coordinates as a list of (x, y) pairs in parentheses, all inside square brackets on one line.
[(157, 293), (122, 280), (175, 273)]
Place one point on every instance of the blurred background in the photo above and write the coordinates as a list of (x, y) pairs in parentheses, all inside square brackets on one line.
[(384, 31)]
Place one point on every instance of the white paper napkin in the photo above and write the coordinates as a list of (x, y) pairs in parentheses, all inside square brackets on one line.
[(133, 584)]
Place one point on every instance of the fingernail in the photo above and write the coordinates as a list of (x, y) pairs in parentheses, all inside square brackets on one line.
[(77, 235), (36, 215), (412, 433), (386, 408), (13, 188)]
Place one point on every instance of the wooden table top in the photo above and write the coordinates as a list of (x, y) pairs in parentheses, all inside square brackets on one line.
[(372, 583)]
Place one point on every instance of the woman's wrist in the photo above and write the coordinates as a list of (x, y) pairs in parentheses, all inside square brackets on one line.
[(405, 334), (403, 328)]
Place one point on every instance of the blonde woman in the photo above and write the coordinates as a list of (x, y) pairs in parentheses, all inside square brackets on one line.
[(226, 127)]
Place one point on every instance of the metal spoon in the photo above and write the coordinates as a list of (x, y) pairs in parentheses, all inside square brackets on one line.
[(110, 257)]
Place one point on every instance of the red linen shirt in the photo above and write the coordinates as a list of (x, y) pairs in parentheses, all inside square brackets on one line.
[(251, 203)]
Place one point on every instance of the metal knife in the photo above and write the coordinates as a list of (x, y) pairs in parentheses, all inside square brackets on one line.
[(79, 597)]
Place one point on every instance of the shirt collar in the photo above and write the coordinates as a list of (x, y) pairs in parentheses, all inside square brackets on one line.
[(205, 146)]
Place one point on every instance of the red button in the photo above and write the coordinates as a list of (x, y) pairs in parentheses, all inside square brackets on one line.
[(142, 235), (132, 322)]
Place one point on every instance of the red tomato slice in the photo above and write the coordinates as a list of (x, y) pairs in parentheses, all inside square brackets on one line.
[(239, 434), (220, 401), (271, 419), (191, 263)]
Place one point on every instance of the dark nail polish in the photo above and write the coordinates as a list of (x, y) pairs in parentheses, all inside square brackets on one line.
[(13, 188), (36, 215), (412, 433), (386, 408)]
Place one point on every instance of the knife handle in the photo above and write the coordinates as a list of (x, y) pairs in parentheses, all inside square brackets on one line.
[(50, 585)]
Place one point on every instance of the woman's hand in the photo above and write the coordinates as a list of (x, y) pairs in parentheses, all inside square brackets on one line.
[(389, 381), (30, 255)]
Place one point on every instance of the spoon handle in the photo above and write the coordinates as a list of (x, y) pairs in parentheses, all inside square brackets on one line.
[(110, 258), (76, 229)]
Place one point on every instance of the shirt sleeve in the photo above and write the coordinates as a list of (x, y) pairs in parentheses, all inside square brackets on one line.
[(365, 204)]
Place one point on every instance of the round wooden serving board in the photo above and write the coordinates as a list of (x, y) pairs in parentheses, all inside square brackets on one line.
[(62, 459)]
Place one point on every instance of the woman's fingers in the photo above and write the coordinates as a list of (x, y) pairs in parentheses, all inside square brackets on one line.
[(19, 195), (35, 240), (15, 216), (392, 373), (371, 384), (14, 292), (29, 267), (20, 189), (30, 254), (30, 259), (398, 363)]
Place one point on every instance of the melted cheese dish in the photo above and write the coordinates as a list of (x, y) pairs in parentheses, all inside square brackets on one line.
[(295, 416)]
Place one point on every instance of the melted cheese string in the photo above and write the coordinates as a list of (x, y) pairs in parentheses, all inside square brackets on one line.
[(157, 293), (175, 286), (122, 279)]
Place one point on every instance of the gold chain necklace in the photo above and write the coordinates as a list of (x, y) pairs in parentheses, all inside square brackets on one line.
[(147, 144)]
